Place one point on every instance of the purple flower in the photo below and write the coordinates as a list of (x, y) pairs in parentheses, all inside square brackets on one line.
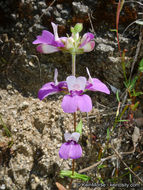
[(52, 87), (76, 100), (49, 43), (71, 149), (73, 44)]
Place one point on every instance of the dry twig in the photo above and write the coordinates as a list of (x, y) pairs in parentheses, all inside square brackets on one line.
[(119, 156)]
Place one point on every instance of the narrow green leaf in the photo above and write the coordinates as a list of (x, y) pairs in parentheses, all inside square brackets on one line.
[(138, 93), (141, 66), (113, 30), (130, 178), (123, 120), (7, 131), (133, 107), (102, 166), (108, 134), (117, 96), (67, 173), (79, 127)]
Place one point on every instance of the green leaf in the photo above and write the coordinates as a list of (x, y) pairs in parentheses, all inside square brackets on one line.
[(79, 127), (68, 173), (113, 30), (7, 131), (133, 107), (117, 96), (138, 93), (123, 120), (131, 83), (102, 166), (108, 134), (141, 66), (140, 22)]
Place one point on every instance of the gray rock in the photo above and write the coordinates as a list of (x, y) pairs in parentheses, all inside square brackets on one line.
[(59, 7), (104, 48), (56, 13), (79, 8)]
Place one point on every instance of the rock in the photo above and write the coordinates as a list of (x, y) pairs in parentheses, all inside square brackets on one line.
[(104, 48), (79, 8), (59, 7), (23, 105)]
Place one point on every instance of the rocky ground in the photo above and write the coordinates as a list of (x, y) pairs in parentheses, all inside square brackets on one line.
[(29, 157)]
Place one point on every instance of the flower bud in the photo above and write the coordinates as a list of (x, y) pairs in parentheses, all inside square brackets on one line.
[(78, 27)]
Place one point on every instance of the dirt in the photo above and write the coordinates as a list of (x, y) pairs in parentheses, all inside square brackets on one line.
[(29, 157)]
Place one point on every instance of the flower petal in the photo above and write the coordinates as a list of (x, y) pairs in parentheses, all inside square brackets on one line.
[(97, 85), (84, 103), (69, 104), (75, 136), (46, 38), (75, 151), (89, 46), (86, 38), (46, 90), (55, 30), (44, 48), (67, 136), (76, 84), (70, 150), (64, 151)]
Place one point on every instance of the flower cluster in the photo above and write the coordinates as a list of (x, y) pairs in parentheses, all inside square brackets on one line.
[(74, 88), (50, 43)]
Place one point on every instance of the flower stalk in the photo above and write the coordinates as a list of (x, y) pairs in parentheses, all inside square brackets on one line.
[(73, 64)]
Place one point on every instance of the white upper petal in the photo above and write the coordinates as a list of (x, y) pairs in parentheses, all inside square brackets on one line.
[(55, 29), (74, 136), (67, 136), (76, 84)]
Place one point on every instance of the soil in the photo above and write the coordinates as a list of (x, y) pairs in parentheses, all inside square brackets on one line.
[(29, 157)]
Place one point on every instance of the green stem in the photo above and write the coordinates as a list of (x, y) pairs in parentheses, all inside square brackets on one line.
[(73, 64)]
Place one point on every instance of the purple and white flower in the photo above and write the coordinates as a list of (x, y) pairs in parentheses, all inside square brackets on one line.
[(76, 100), (50, 43), (71, 149), (52, 87)]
